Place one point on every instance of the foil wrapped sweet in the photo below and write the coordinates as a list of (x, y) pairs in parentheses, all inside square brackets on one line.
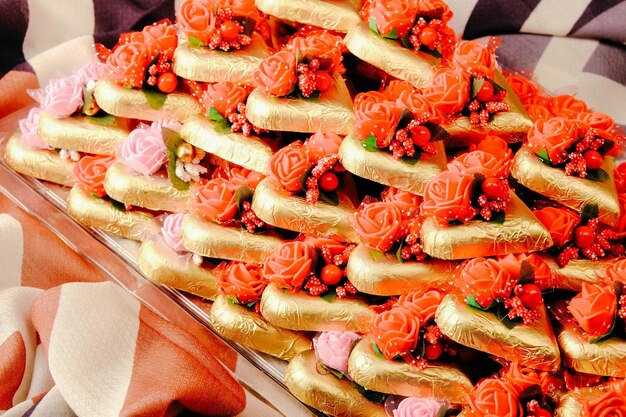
[(39, 163), (300, 311), (379, 273), (571, 404), (383, 168), (571, 191), (320, 389), (604, 358), (337, 15), (439, 381), (211, 66), (237, 323), (520, 232), (533, 345), (577, 271)]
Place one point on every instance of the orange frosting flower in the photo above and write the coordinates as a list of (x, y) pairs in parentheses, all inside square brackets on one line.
[(435, 8), (523, 87), (378, 225), (374, 115), (244, 176), (566, 106), (90, 172), (621, 223), (554, 135), (395, 331), (494, 397), (620, 178), (407, 203), (521, 378), (560, 222), (287, 166), (321, 144), (544, 278), (599, 121), (397, 87), (538, 111), (393, 15), (418, 104), (160, 37), (423, 304), (242, 281), (127, 64), (277, 74), (449, 91), (290, 265), (616, 271), (485, 280), (494, 145), (611, 404), (215, 199), (448, 197), (197, 18), (322, 45), (594, 308), (475, 58), (334, 246), (224, 97), (478, 162)]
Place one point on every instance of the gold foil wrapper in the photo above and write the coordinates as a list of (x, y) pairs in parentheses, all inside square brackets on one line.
[(382, 274), (211, 66), (249, 152), (571, 404), (337, 15), (39, 163), (96, 212), (533, 345), (152, 192), (162, 264), (390, 56), (383, 168), (79, 134), (232, 243), (572, 275), (520, 232), (439, 381), (301, 311), (133, 104), (571, 191), (605, 358), (320, 389), (237, 323), (279, 208), (512, 125), (331, 112)]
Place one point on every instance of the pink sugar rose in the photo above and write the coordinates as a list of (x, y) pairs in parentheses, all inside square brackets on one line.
[(29, 126), (417, 407), (144, 150), (92, 71), (63, 96), (333, 349), (172, 227)]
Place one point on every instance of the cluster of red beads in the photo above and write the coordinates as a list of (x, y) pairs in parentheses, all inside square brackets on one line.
[(622, 307), (315, 286), (591, 240), (333, 274), (249, 219), (586, 155), (487, 104), (517, 309), (240, 123), (408, 139), (327, 164), (534, 410), (433, 334), (427, 34), (413, 248), (229, 33), (493, 202), (340, 259), (312, 79), (160, 73)]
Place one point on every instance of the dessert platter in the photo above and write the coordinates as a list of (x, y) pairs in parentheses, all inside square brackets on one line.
[(394, 223)]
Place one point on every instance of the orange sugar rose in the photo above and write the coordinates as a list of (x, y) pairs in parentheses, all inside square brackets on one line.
[(127, 64), (90, 172), (418, 104), (322, 45), (321, 144), (277, 74), (521, 378), (215, 200), (242, 281), (475, 58), (407, 202), (620, 178), (494, 145), (494, 397), (224, 97), (566, 106), (485, 280), (538, 112), (378, 225), (423, 304), (448, 197), (437, 8), (616, 271), (611, 404), (390, 15), (290, 265), (523, 87), (554, 135), (197, 18), (287, 166), (544, 278), (395, 331), (375, 115), (594, 308), (160, 37), (449, 91), (396, 87), (478, 162), (560, 222), (621, 223), (602, 122)]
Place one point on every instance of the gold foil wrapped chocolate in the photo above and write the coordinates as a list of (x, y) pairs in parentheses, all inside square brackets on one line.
[(249, 152), (96, 212), (318, 388), (571, 404), (301, 311), (281, 209), (604, 358), (376, 373), (232, 243), (533, 345), (331, 112), (79, 134), (377, 273), (572, 275), (162, 264), (520, 232), (383, 168), (571, 191), (39, 163), (211, 65), (237, 323), (390, 56), (133, 104), (153, 192), (337, 15)]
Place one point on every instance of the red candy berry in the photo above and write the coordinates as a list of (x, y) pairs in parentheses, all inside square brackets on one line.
[(167, 82), (584, 236), (492, 188), (329, 182), (420, 135), (486, 91), (323, 80), (230, 31), (331, 274), (542, 412), (531, 296), (593, 159), (433, 351), (428, 37)]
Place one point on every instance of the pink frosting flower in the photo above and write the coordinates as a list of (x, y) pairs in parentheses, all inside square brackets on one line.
[(92, 71), (172, 227), (144, 150), (333, 349), (29, 127), (63, 96), (417, 407)]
